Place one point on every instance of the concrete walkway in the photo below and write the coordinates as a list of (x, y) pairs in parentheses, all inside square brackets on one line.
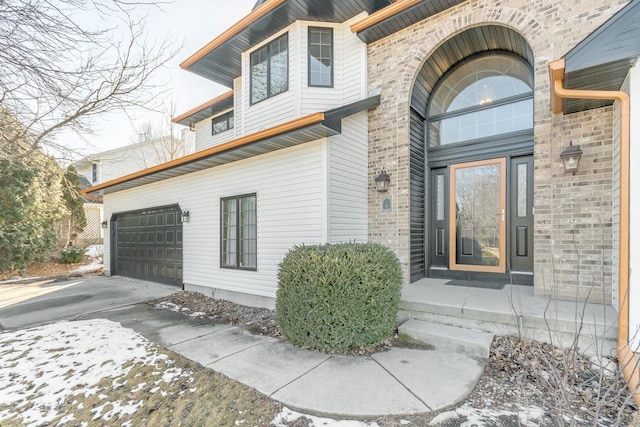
[(399, 381)]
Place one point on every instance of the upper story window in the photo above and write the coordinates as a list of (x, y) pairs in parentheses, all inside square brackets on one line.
[(94, 173), (222, 123), (485, 96), (321, 57), (270, 69)]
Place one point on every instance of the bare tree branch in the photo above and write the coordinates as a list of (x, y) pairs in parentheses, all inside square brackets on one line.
[(58, 74)]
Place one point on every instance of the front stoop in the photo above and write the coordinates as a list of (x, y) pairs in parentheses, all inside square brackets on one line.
[(514, 310), (455, 339)]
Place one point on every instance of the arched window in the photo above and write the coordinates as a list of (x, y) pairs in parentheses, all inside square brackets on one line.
[(482, 97)]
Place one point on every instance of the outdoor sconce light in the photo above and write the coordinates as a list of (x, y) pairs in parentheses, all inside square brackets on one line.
[(185, 215), (571, 158), (382, 182), (104, 224)]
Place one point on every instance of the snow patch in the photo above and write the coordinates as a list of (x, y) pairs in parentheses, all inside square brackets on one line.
[(43, 366), (527, 416), (287, 416)]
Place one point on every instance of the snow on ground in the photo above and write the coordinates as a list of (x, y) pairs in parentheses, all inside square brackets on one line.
[(41, 367), (95, 252), (471, 417), (286, 417)]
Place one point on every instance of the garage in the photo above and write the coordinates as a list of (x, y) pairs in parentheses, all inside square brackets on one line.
[(147, 244)]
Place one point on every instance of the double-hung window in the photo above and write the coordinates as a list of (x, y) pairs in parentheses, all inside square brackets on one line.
[(320, 57), (222, 123), (270, 69), (239, 232)]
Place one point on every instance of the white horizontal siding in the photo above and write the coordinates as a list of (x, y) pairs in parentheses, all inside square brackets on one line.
[(354, 67), (238, 107), (204, 137), (348, 180), (280, 108), (289, 189), (314, 99)]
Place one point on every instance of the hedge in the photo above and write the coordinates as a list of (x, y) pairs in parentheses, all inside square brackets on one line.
[(338, 297)]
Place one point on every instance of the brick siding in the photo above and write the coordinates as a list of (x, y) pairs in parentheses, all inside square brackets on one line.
[(573, 214)]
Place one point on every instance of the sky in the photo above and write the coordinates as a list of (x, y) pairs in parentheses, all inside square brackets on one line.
[(193, 22)]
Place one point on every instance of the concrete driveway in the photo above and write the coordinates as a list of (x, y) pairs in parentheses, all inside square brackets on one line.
[(25, 305)]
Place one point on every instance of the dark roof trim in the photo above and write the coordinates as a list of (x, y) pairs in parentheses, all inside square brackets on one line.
[(399, 15), (295, 132), (602, 60), (220, 59), (216, 105)]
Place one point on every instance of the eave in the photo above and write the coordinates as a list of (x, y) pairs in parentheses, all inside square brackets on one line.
[(221, 59), (602, 60), (207, 109), (397, 16), (299, 131)]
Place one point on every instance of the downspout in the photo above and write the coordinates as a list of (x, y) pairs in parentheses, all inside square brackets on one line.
[(626, 359)]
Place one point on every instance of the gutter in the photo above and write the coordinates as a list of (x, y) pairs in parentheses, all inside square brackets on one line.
[(626, 359), (292, 125), (385, 13), (244, 23), (201, 107)]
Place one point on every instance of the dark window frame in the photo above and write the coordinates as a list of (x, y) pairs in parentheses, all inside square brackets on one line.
[(331, 47), (505, 101), (227, 118), (237, 265), (269, 46), (94, 172)]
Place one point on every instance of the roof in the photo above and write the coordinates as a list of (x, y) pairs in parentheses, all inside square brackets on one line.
[(399, 15), (220, 59), (602, 60), (119, 151), (210, 108), (295, 132)]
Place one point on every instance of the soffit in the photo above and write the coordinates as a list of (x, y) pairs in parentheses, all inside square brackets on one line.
[(207, 109), (602, 60), (223, 63), (409, 16), (327, 124), (470, 42)]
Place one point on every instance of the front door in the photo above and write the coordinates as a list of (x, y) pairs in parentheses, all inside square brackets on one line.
[(477, 216), (481, 216)]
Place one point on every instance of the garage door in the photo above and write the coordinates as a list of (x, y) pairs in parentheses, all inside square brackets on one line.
[(148, 245)]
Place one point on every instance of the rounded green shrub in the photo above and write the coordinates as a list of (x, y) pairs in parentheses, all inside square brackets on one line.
[(338, 297)]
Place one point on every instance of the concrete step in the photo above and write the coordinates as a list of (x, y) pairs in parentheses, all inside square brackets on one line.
[(455, 339), (588, 343), (502, 321)]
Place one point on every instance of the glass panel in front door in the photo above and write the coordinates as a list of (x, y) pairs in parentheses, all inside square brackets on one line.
[(477, 216), (439, 213), (521, 228)]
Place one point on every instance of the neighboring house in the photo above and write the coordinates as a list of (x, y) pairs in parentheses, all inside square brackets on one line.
[(108, 165), (450, 98)]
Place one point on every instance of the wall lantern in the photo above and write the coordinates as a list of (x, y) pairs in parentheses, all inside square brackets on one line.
[(382, 182), (104, 224), (185, 215), (571, 158)]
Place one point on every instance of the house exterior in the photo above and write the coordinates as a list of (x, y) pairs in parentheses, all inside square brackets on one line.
[(101, 167), (450, 98)]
